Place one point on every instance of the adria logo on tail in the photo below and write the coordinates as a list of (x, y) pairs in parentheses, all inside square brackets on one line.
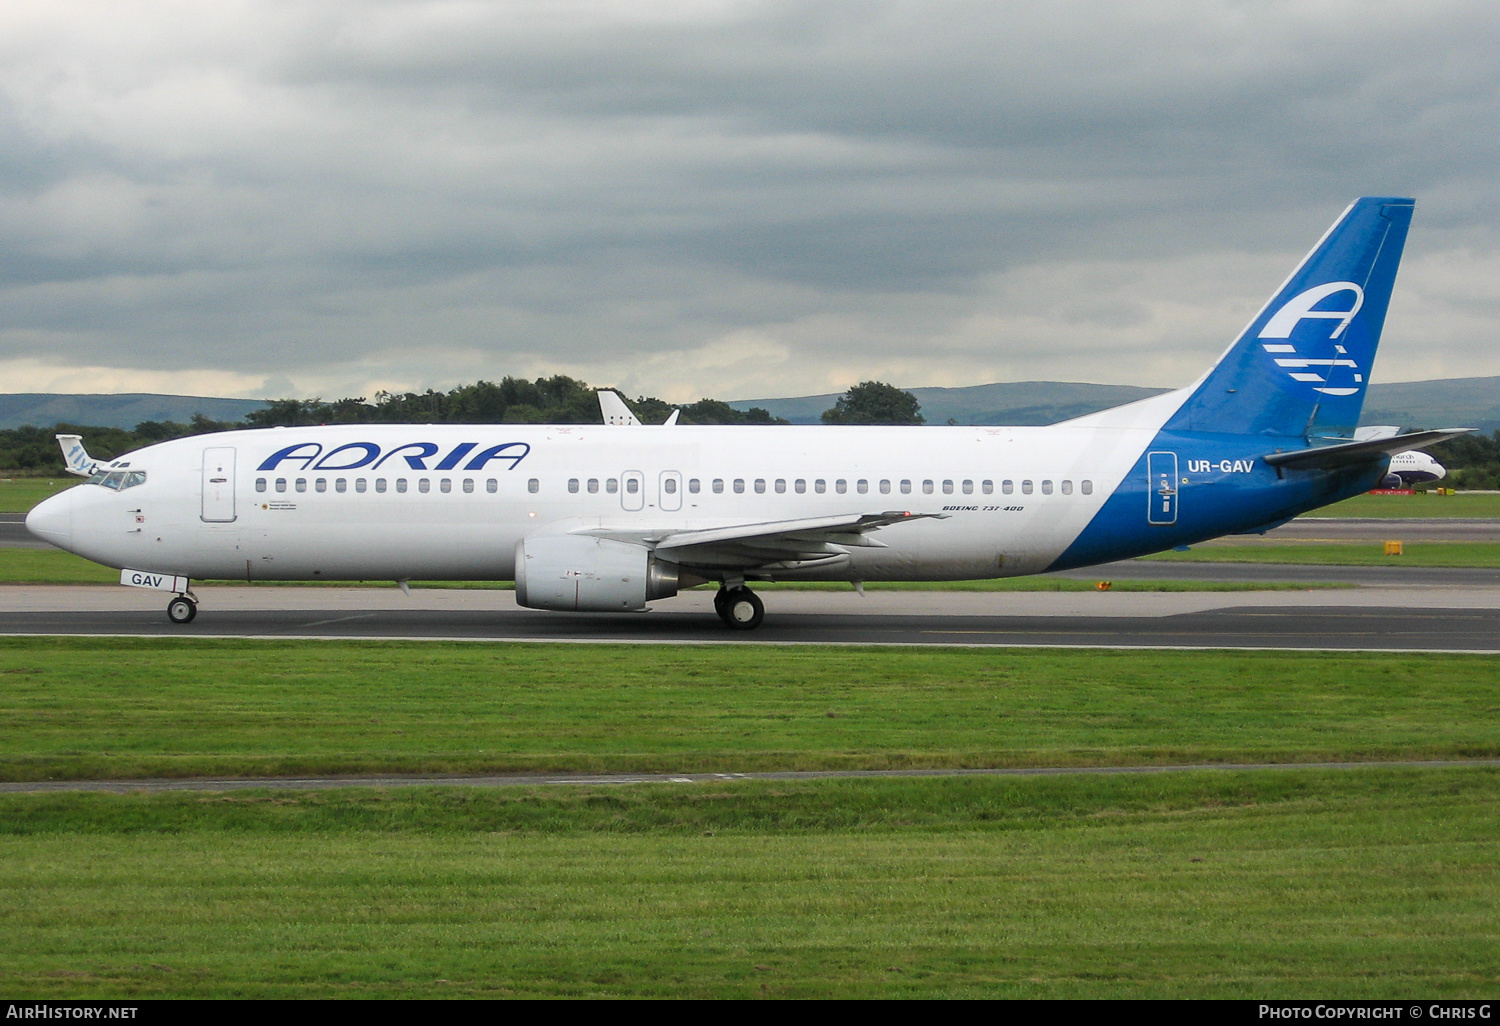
[(1300, 308)]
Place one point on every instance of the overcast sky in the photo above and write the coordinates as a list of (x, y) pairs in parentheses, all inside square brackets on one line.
[(726, 198)]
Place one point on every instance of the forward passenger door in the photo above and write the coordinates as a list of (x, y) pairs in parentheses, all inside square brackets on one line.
[(218, 485)]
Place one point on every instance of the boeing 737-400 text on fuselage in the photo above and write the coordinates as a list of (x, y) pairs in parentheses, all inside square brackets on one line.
[(610, 518)]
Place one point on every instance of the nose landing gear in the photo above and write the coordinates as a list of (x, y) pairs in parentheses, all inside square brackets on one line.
[(182, 609), (739, 607)]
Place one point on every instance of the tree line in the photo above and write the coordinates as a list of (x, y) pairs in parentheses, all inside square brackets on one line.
[(1473, 461), (550, 400)]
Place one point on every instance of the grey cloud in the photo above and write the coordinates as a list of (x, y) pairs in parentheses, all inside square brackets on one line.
[(423, 186)]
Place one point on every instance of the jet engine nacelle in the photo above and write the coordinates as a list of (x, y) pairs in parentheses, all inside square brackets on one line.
[(579, 574)]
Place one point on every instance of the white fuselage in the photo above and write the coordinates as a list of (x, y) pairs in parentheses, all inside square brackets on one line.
[(1013, 498)]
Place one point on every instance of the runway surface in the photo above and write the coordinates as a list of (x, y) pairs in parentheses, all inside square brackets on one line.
[(1389, 607), (1442, 619), (13, 533), (159, 784)]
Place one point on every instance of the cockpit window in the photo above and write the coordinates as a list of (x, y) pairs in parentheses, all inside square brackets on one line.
[(117, 480)]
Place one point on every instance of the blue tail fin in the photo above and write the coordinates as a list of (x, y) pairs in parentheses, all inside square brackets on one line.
[(1302, 365)]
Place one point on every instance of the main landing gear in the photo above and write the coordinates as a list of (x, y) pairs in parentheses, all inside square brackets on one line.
[(739, 607), (182, 609)]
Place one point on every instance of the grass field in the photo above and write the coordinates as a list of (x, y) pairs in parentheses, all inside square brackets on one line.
[(1297, 882), (1339, 553), (153, 707), (1481, 505), (18, 495), (1328, 884)]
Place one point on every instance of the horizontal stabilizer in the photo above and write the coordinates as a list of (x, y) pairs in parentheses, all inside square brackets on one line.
[(1352, 453)]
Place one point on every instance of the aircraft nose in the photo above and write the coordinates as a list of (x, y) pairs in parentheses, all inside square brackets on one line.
[(52, 519)]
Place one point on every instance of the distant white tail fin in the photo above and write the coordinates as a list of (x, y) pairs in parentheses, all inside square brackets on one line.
[(76, 456), (614, 410)]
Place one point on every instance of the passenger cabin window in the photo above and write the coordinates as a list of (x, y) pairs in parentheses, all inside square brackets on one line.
[(885, 486), (947, 487), (321, 484), (400, 484), (987, 487), (611, 486), (469, 485), (573, 485), (841, 486), (340, 484), (1025, 487), (862, 486), (760, 486), (781, 486), (533, 486), (380, 484), (800, 486), (1007, 487), (281, 484), (632, 485), (905, 486), (669, 486), (359, 484), (445, 485), (718, 486), (693, 486), (492, 486), (301, 484), (424, 485), (260, 484), (1087, 487), (593, 486), (739, 485), (1046, 487), (968, 487), (1067, 487), (926, 487)]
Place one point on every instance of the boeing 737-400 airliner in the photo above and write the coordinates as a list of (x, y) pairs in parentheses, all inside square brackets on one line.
[(609, 518)]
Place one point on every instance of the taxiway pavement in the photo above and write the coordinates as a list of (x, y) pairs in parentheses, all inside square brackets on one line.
[(1430, 619)]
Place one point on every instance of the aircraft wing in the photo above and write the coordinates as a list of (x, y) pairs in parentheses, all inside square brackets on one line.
[(1352, 453), (776, 543)]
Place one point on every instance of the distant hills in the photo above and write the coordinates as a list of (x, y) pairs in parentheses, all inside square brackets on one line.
[(1007, 402), (44, 409), (1450, 402)]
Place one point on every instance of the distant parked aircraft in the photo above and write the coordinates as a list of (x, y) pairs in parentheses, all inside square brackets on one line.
[(1407, 468)]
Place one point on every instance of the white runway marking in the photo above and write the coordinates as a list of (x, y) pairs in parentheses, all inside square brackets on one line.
[(605, 779)]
